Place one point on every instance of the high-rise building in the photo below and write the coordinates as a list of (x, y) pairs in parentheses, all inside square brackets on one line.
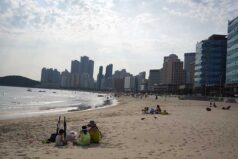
[(192, 71), (44, 75), (107, 82), (84, 80), (189, 59), (50, 77), (118, 85), (139, 79), (129, 83), (91, 68), (118, 79), (82, 73), (75, 67), (75, 80), (109, 69), (121, 74), (210, 61), (99, 78), (172, 71), (84, 64), (65, 79), (75, 73), (154, 79), (232, 54)]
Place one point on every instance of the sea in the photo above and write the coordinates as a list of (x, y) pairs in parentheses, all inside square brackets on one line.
[(17, 102)]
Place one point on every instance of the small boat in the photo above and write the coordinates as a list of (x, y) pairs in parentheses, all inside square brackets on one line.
[(53, 92), (41, 91), (100, 95)]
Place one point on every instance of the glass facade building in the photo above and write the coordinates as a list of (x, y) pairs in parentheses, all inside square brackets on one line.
[(189, 59), (232, 53), (210, 61)]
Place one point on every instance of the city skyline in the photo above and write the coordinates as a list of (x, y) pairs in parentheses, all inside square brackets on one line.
[(37, 34)]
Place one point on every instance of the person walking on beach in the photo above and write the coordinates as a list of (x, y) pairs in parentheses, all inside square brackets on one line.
[(84, 137), (94, 132)]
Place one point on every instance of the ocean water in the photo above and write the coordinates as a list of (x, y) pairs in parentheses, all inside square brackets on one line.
[(23, 102)]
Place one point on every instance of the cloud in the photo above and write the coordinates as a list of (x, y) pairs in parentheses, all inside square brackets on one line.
[(109, 31), (204, 10)]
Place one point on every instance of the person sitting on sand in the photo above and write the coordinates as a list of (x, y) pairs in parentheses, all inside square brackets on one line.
[(214, 105), (84, 137), (59, 140), (94, 132), (158, 109), (71, 137)]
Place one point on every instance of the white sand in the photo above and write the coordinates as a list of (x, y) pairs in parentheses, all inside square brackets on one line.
[(189, 132)]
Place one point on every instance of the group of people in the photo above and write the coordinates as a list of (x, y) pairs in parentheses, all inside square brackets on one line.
[(151, 110), (88, 134), (213, 104)]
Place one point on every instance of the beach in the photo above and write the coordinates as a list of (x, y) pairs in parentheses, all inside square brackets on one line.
[(189, 131)]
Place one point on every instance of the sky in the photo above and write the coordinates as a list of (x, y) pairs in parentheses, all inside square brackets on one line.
[(130, 34)]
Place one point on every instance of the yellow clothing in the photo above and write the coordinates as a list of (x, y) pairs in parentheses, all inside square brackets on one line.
[(95, 135)]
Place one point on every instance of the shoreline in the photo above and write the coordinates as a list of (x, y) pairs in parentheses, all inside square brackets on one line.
[(39, 104), (188, 132), (55, 111)]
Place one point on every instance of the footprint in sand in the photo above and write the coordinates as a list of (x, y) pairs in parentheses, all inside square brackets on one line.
[(151, 153), (22, 154), (169, 150)]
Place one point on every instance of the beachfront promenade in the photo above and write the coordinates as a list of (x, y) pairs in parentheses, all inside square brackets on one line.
[(188, 132)]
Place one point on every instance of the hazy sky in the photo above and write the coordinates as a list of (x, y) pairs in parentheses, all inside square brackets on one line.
[(131, 34)]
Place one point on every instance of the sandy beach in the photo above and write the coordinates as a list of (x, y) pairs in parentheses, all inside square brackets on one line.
[(189, 132)]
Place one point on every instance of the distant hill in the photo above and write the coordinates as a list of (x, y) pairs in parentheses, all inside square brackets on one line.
[(18, 81)]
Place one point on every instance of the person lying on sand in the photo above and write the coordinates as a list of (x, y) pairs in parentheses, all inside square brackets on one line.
[(226, 108), (84, 137), (59, 140), (151, 110), (94, 132)]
